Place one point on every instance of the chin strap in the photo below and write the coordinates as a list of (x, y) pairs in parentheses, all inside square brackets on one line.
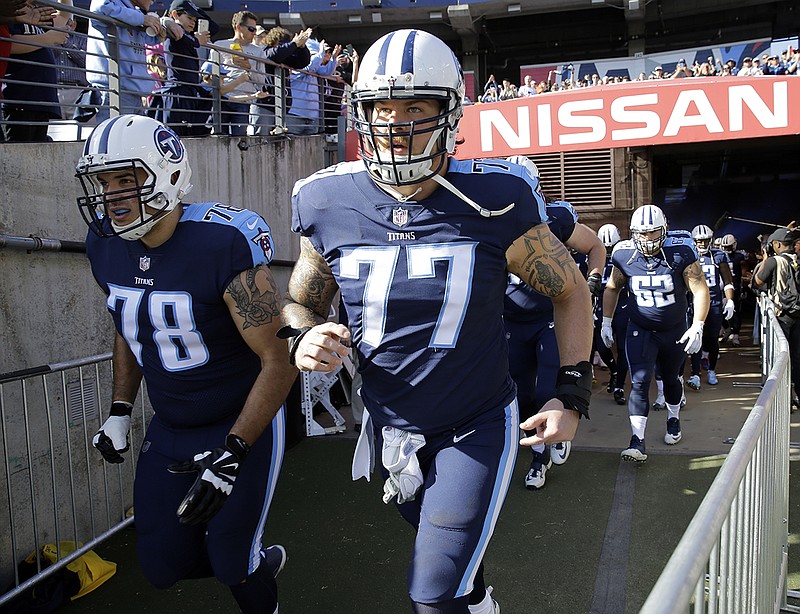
[(483, 211)]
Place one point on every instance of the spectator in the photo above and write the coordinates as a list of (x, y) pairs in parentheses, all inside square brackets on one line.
[(526, 89), (333, 99), (489, 96), (641, 77), (774, 66), (793, 62), (748, 69), (773, 276), (681, 70), (757, 67), (705, 70), (19, 11), (491, 84), (244, 84), (261, 34), (508, 91), (658, 73), (71, 67), (305, 112), (135, 82), (187, 105), (281, 47), (25, 119)]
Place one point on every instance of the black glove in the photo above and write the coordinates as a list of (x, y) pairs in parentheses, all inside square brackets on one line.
[(595, 283), (112, 438), (217, 470), (574, 387)]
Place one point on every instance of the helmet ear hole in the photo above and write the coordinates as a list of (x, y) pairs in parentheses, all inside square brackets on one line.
[(174, 177)]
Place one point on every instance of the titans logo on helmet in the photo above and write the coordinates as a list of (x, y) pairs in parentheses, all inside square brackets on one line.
[(169, 144)]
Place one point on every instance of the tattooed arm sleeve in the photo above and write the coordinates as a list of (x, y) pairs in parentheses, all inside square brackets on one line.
[(311, 289), (696, 282), (542, 261), (253, 301)]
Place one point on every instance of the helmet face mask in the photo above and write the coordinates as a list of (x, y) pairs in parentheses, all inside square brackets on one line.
[(407, 65), (152, 155), (648, 229)]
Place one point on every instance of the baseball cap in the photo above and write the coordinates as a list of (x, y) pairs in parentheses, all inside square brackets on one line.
[(682, 61), (657, 68), (783, 235), (260, 30), (187, 6)]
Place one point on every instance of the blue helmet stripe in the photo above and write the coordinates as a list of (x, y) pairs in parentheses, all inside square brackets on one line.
[(408, 54), (103, 144), (382, 55)]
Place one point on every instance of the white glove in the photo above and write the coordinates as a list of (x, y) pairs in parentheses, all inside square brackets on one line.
[(728, 308), (112, 438), (399, 456), (606, 332), (693, 338)]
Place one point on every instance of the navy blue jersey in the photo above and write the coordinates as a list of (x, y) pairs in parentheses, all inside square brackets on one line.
[(523, 303), (622, 300), (657, 291), (167, 303), (710, 264), (736, 258), (423, 285)]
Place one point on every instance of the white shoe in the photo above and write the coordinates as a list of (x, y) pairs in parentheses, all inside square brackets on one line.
[(693, 382), (735, 340), (559, 452), (673, 434), (534, 480), (660, 403), (487, 606)]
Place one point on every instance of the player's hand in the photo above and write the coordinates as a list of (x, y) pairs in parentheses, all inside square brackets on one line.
[(217, 470), (607, 332), (112, 438), (322, 347), (728, 309), (595, 283), (692, 338), (553, 424)]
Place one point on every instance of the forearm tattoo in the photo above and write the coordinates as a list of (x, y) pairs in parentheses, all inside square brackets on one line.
[(311, 289), (547, 262), (256, 299), (617, 279), (693, 272)]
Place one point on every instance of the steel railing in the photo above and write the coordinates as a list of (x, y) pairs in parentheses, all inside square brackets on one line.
[(327, 100), (56, 486), (733, 556)]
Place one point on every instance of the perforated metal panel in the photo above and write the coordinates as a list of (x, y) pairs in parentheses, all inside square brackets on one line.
[(583, 178), (81, 401)]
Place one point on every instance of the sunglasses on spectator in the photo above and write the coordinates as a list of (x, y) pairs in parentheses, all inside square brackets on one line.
[(251, 28)]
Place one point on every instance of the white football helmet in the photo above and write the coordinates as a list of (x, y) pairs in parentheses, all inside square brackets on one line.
[(728, 242), (526, 162), (609, 235), (132, 142), (702, 236), (647, 219), (401, 65)]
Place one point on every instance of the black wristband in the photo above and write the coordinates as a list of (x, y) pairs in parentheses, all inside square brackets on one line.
[(237, 446), (574, 387), (120, 408), (294, 335)]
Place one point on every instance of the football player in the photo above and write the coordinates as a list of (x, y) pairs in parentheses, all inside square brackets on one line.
[(618, 367), (420, 245), (528, 318), (731, 328), (196, 310), (715, 265), (657, 268)]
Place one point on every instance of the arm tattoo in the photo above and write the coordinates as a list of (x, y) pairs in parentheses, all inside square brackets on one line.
[(311, 288), (618, 278), (693, 272), (256, 298), (547, 262)]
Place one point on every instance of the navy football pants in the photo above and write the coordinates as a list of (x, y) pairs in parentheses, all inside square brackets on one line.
[(645, 350)]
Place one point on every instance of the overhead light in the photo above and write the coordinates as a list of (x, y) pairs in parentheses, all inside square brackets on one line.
[(354, 18), (514, 8), (435, 14), (291, 19), (633, 5), (598, 1), (268, 21), (377, 18)]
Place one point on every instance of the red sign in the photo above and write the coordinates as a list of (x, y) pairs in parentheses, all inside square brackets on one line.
[(633, 115)]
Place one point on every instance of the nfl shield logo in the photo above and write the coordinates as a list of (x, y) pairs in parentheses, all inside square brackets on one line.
[(144, 263), (400, 217)]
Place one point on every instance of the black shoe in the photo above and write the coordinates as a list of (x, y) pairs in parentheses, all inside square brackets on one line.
[(619, 396), (611, 382), (635, 451), (275, 558)]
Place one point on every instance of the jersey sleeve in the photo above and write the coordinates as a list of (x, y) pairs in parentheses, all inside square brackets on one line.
[(561, 219)]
